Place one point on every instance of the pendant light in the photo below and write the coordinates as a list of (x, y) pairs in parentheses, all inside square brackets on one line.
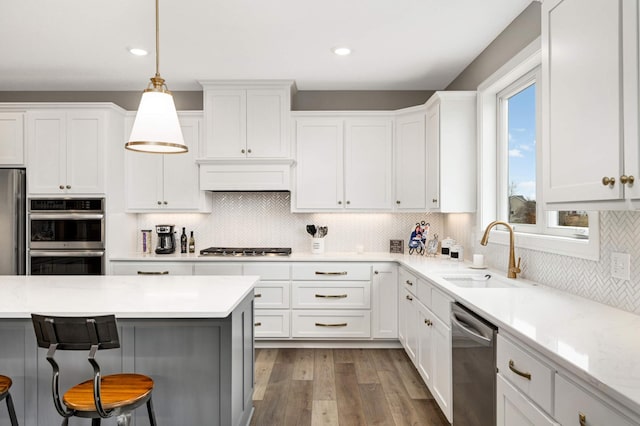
[(156, 128)]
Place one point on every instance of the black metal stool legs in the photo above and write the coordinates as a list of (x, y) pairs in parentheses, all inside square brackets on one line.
[(12, 411), (152, 415), (95, 422)]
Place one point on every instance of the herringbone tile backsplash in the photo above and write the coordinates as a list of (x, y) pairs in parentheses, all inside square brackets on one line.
[(619, 232)]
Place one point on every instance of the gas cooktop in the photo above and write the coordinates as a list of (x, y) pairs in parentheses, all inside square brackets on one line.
[(246, 251)]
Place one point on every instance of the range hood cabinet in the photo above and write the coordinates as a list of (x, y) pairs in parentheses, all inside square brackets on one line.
[(245, 175)]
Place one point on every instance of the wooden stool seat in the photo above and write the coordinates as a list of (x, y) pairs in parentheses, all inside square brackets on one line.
[(117, 390), (5, 384)]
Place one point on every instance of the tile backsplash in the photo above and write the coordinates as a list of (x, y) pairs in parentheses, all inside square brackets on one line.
[(587, 278), (264, 219)]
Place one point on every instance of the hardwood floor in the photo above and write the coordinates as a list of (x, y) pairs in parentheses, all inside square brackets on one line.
[(345, 387)]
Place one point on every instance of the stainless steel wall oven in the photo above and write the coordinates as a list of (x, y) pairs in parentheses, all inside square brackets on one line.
[(66, 236)]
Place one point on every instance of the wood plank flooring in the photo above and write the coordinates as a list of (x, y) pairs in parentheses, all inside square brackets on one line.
[(346, 387)]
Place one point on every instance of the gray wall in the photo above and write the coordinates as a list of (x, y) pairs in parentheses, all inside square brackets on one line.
[(302, 100), (522, 31)]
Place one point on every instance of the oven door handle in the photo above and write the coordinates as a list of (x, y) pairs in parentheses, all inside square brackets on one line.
[(64, 216), (60, 253)]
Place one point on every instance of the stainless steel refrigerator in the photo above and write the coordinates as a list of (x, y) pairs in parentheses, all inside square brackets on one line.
[(12, 221)]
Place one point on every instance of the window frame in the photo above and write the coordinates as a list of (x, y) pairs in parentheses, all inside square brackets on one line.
[(489, 169)]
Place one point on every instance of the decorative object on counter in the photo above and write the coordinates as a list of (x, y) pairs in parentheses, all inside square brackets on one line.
[(192, 243), (512, 269), (183, 241), (312, 230), (478, 262), (432, 246), (457, 252), (418, 238), (156, 128), (166, 239), (446, 245), (396, 246), (317, 233), (146, 243)]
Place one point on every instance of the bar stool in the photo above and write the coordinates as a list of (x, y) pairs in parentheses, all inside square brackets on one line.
[(102, 397), (5, 384)]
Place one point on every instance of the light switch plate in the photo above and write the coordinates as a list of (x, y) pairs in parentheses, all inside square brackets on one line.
[(620, 266)]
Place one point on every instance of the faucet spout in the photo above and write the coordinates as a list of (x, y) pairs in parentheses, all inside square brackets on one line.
[(513, 269)]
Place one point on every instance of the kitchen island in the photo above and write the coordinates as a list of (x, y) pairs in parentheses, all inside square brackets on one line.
[(192, 335)]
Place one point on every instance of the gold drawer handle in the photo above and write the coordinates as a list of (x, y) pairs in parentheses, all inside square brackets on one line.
[(342, 324), (153, 273), (257, 295), (583, 419), (409, 298), (331, 273), (331, 296), (258, 324), (518, 372), (409, 282)]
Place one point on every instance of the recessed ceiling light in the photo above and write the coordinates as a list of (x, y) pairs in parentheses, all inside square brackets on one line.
[(342, 51), (138, 51)]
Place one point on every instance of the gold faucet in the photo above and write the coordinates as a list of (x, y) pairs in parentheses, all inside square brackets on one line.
[(513, 270)]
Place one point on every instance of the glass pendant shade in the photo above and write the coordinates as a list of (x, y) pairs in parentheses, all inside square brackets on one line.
[(156, 128)]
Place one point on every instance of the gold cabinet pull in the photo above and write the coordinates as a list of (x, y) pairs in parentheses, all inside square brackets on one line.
[(331, 273), (258, 324), (153, 272), (341, 324), (331, 296), (409, 282), (624, 179), (582, 418), (608, 181), (518, 372), (257, 295), (409, 298)]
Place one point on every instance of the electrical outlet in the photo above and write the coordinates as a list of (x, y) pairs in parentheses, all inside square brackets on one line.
[(620, 266)]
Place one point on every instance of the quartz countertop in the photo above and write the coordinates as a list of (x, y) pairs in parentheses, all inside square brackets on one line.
[(125, 296)]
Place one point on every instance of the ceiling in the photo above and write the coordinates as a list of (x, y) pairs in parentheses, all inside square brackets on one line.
[(397, 44)]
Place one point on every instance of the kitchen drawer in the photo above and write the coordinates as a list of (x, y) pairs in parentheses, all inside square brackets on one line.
[(326, 295), (218, 268), (441, 305), (572, 402), (272, 323), (151, 268), (408, 280), (331, 271), (271, 295), (513, 408), (423, 291), (538, 385), (268, 271), (331, 324)]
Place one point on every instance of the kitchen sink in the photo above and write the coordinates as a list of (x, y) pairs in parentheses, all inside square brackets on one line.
[(485, 280)]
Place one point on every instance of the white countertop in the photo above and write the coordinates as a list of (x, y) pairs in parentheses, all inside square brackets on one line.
[(125, 296)]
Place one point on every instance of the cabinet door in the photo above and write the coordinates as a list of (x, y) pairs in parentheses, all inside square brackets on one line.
[(582, 106), (410, 162), (144, 180), (433, 157), (85, 152), (226, 133), (12, 137), (368, 164), (181, 174), (514, 409), (442, 373), (384, 302), (409, 320), (425, 360), (47, 159), (319, 172), (267, 124)]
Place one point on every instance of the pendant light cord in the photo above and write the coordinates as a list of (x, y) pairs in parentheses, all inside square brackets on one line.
[(157, 38)]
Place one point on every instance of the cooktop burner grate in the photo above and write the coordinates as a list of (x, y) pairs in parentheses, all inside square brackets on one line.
[(246, 251)]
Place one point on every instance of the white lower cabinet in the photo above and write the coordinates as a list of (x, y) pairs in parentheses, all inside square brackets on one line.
[(272, 323), (384, 301), (515, 409), (151, 268), (408, 323), (331, 324)]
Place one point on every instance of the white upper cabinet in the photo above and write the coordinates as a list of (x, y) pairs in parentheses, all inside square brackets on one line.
[(247, 119), (167, 182), (451, 152), (343, 162), (11, 138), (410, 160), (589, 102), (66, 151)]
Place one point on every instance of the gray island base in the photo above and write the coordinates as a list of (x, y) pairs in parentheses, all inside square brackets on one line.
[(202, 362)]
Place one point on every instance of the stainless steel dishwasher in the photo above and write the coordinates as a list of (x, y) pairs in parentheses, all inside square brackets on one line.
[(474, 368)]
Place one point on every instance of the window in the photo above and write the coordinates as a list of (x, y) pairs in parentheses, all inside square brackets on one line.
[(510, 169)]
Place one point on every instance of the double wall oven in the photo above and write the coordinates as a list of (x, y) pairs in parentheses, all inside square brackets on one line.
[(66, 236)]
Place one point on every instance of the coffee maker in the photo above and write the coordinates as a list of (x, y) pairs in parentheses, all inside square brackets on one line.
[(166, 239)]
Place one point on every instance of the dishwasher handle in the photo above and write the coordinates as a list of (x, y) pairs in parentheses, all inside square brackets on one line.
[(468, 329)]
